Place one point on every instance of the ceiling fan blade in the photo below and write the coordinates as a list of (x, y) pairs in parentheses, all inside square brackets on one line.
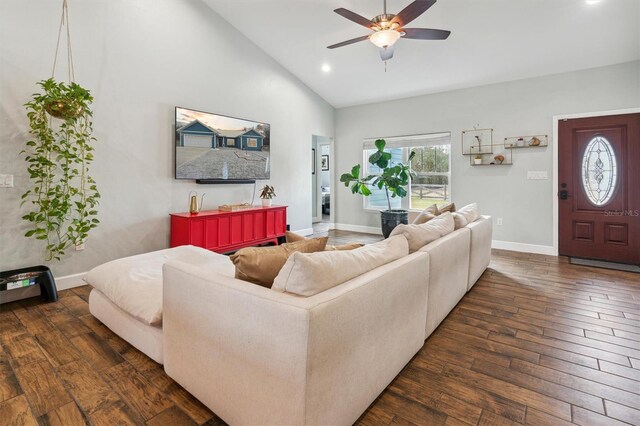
[(386, 53), (411, 12), (354, 17), (425, 34), (348, 42)]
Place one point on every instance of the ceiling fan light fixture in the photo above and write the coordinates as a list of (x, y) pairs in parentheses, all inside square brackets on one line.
[(384, 38)]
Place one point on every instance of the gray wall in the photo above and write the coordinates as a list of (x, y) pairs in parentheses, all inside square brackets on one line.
[(522, 107), (140, 59)]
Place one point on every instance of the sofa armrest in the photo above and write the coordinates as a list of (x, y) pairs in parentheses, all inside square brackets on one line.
[(448, 275), (480, 251), (256, 356), (233, 344)]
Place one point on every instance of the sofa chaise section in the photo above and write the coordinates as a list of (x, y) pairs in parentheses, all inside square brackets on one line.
[(256, 356)]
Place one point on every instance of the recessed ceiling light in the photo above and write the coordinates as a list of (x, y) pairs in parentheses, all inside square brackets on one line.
[(592, 2), (326, 68)]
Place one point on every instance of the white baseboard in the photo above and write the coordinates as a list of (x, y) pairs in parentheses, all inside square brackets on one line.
[(524, 248), (305, 232), (358, 228), (70, 281)]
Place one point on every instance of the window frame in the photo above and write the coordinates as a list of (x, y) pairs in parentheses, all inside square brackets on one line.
[(405, 203)]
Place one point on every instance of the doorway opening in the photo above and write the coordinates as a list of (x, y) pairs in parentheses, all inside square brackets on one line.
[(323, 208)]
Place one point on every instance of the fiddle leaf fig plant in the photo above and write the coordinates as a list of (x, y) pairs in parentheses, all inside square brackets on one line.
[(394, 177), (63, 197)]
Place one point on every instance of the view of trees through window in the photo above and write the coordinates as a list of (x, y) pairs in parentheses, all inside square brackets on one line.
[(431, 185)]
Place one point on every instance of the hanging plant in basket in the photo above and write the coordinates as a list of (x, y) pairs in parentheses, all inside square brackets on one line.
[(63, 196)]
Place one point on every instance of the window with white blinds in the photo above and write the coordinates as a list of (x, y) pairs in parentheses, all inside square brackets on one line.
[(431, 165)]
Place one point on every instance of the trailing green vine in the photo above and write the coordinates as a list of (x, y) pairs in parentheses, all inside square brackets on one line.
[(63, 197)]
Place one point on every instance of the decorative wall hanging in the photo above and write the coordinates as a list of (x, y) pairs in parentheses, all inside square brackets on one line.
[(63, 196)]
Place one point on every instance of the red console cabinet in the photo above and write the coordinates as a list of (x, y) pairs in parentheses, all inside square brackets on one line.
[(223, 231)]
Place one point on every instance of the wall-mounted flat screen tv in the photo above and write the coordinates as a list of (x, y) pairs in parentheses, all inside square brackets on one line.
[(213, 147)]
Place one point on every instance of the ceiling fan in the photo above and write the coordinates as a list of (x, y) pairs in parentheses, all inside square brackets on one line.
[(389, 28)]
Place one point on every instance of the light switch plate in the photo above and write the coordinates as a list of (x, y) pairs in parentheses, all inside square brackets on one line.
[(538, 175), (6, 181)]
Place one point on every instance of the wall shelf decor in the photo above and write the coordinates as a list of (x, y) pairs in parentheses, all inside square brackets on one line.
[(477, 142), (532, 141), (499, 157)]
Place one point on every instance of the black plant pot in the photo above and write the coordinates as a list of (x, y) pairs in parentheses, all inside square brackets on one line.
[(392, 218)]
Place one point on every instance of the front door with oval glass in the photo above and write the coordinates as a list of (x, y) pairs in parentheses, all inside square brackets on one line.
[(599, 188)]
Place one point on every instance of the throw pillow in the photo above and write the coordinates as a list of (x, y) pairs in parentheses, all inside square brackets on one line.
[(306, 274), (419, 236), (459, 220), (426, 215), (292, 237), (470, 212), (351, 246), (451, 207), (260, 265)]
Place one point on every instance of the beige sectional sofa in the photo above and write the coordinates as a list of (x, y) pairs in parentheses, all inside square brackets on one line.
[(256, 356)]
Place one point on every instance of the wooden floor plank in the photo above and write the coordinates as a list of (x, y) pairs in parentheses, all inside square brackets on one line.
[(65, 415), (511, 391), (584, 417), (95, 350), (137, 390), (547, 350), (16, 412), (116, 412), (436, 400), (9, 386), (171, 416), (576, 348), (57, 348), (42, 388), (591, 374), (623, 412), (539, 418), (541, 384), (87, 386), (466, 391), (580, 384), (631, 373)]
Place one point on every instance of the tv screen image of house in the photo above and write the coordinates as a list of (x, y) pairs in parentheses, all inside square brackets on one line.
[(213, 146)]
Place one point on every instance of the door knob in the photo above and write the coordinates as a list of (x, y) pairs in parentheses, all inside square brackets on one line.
[(563, 194)]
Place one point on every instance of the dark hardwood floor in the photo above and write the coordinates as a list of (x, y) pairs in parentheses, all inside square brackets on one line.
[(537, 341)]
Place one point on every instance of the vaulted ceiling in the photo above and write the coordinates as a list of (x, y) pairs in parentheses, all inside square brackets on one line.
[(491, 41)]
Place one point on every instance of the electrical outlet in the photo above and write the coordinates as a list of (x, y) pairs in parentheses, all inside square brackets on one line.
[(499, 221), (80, 247), (6, 181)]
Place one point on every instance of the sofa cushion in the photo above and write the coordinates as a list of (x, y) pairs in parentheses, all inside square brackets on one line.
[(451, 207), (420, 235), (459, 220), (426, 215), (134, 284), (306, 274), (470, 212), (260, 265)]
